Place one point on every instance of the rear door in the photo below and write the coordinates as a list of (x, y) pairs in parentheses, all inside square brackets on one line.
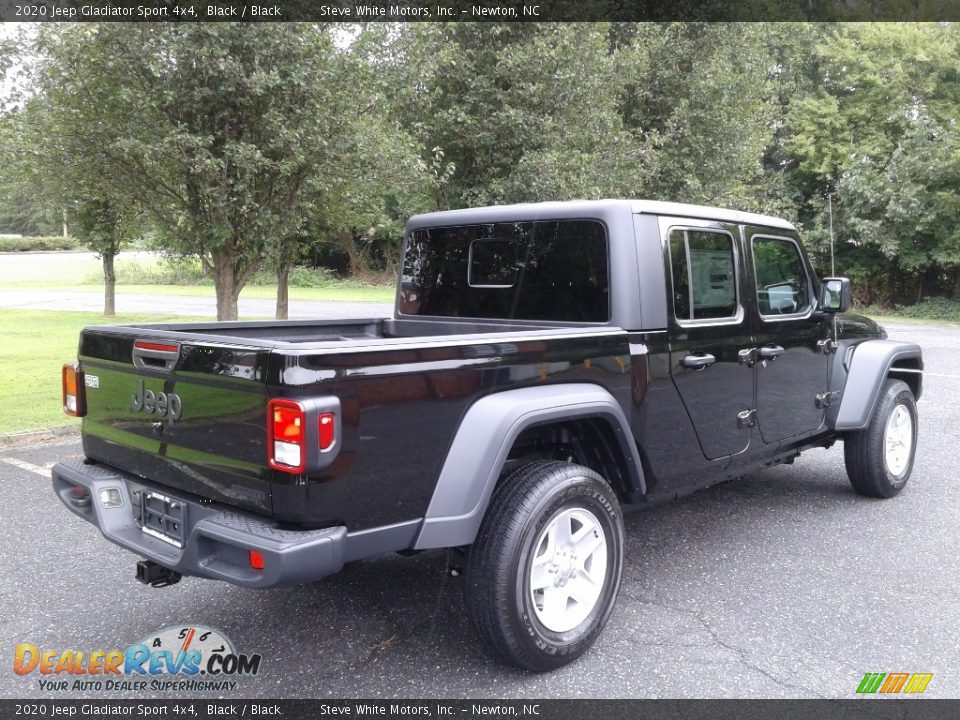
[(709, 328), (792, 366)]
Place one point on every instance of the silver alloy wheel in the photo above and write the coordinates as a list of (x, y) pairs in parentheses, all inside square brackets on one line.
[(898, 440), (568, 569)]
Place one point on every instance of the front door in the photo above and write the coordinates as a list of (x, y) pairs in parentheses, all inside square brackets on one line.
[(708, 330), (792, 358)]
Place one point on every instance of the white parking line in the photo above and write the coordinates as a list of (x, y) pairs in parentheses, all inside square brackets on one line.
[(28, 466)]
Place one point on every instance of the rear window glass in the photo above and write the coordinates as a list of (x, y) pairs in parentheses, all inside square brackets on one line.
[(549, 270)]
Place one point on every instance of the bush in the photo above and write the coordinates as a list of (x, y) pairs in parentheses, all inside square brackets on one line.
[(310, 277), (299, 277), (28, 243), (929, 309), (166, 272)]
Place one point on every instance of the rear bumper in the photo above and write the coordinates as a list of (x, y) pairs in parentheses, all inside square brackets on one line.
[(217, 541)]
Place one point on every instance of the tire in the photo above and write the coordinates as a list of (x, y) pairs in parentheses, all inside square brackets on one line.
[(879, 459), (541, 517)]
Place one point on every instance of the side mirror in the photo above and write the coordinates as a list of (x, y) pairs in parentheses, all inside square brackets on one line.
[(835, 295)]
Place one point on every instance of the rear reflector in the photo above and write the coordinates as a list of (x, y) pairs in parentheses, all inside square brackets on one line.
[(286, 434), (256, 560), (73, 397), (327, 431)]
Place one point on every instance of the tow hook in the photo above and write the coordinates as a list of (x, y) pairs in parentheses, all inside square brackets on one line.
[(156, 575)]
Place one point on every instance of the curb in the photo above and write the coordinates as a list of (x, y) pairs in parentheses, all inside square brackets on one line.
[(37, 437)]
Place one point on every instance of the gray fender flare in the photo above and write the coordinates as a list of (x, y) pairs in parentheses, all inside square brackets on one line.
[(483, 442), (869, 366)]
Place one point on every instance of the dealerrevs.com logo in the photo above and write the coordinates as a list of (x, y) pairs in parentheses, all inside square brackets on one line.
[(181, 658)]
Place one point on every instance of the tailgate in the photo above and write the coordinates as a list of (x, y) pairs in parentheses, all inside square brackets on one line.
[(185, 413)]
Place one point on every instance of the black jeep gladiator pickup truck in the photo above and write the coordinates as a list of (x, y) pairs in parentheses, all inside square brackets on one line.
[(547, 366)]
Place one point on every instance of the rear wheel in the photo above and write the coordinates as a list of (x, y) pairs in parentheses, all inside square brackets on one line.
[(543, 574), (880, 458)]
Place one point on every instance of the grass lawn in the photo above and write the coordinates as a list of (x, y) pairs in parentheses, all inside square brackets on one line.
[(36, 344), (46, 269)]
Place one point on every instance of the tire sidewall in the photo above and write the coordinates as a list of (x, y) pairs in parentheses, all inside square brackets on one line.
[(583, 491)]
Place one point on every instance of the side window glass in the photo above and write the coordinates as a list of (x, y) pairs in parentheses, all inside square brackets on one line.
[(704, 275), (782, 284)]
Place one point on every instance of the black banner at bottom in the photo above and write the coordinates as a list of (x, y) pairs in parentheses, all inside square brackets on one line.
[(918, 708)]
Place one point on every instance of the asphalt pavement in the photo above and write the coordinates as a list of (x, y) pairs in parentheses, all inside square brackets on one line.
[(779, 585)]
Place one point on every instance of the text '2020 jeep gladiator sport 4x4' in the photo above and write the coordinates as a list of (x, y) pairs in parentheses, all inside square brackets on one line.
[(546, 366)]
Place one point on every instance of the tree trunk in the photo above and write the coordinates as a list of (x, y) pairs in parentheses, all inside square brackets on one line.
[(956, 288), (230, 274), (109, 284), (227, 297), (65, 226), (356, 257), (283, 291), (228, 291)]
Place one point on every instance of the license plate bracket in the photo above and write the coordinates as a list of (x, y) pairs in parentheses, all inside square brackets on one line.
[(163, 517)]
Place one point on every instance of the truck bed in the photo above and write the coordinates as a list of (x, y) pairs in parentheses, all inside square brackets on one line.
[(401, 387)]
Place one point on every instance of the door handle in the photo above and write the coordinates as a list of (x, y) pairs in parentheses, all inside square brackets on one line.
[(770, 352), (698, 362)]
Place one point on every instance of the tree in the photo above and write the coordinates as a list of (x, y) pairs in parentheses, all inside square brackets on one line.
[(213, 129), (876, 125), (48, 177), (527, 112), (517, 112), (104, 225), (372, 171), (700, 101), (909, 210)]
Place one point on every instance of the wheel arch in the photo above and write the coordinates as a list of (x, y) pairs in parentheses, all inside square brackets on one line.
[(870, 364), (488, 434)]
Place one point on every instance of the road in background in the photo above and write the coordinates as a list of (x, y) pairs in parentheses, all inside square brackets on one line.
[(49, 270), (189, 306), (781, 584)]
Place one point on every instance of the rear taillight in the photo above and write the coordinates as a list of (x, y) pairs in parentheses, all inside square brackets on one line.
[(286, 435), (73, 396), (298, 433)]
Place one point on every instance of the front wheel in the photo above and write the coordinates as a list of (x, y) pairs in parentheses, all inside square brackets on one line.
[(880, 458), (543, 574)]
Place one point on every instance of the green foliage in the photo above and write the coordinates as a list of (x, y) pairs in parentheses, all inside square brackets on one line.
[(875, 123), (38, 242), (222, 133), (311, 277), (937, 309), (528, 112), (168, 272), (256, 149)]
